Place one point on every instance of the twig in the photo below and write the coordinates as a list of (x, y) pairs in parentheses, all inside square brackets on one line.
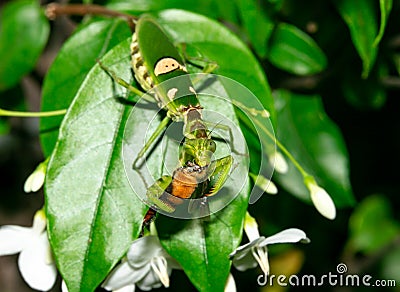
[(53, 10)]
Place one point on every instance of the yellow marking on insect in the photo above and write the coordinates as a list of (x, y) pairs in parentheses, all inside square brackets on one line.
[(191, 89), (166, 65), (171, 93)]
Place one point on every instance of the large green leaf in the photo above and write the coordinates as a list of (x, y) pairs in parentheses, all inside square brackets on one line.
[(258, 25), (69, 69), (360, 17), (316, 143), (93, 214), (23, 34), (294, 51)]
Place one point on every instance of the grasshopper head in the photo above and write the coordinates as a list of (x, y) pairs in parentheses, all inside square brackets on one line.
[(199, 151)]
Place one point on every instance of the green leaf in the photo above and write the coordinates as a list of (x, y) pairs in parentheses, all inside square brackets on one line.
[(390, 266), (259, 26), (386, 7), (216, 9), (364, 94), (69, 69), (316, 143), (24, 31), (360, 17), (367, 93), (93, 214), (294, 51), (371, 225)]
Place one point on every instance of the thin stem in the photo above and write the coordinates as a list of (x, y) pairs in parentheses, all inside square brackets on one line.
[(6, 113), (283, 149), (54, 9)]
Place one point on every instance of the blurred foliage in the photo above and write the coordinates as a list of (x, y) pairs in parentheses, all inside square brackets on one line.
[(333, 70)]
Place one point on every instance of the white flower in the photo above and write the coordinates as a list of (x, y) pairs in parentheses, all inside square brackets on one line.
[(279, 162), (147, 265), (35, 181), (255, 252), (230, 285), (35, 260), (265, 184), (321, 199)]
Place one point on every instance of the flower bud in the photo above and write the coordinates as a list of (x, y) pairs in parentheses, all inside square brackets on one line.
[(35, 181), (279, 162), (321, 199)]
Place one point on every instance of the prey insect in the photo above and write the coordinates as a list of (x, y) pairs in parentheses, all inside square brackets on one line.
[(154, 60)]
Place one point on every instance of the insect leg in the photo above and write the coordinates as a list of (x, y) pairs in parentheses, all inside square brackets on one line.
[(125, 84), (160, 128), (221, 169)]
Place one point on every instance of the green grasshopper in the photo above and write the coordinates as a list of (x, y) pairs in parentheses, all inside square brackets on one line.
[(155, 60)]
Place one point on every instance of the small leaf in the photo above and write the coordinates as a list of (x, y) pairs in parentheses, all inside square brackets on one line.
[(93, 214), (371, 225), (295, 51), (386, 7), (24, 31), (316, 143), (366, 93), (360, 17), (73, 62)]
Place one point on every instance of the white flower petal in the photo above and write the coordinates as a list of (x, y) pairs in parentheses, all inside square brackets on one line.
[(129, 288), (241, 250), (123, 275), (64, 287), (143, 250), (150, 281), (28, 183), (37, 181), (260, 254), (230, 285), (279, 162), (265, 184), (286, 236), (37, 273), (13, 239), (251, 227), (39, 222), (160, 266), (244, 260), (322, 201)]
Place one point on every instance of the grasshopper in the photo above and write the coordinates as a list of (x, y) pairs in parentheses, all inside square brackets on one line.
[(154, 60)]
